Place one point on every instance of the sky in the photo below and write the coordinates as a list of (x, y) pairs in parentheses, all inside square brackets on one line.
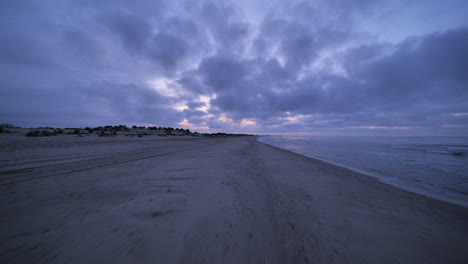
[(317, 67)]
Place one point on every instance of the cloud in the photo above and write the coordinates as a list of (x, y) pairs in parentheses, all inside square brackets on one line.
[(132, 31), (224, 24), (168, 50), (222, 73), (416, 83), (268, 66)]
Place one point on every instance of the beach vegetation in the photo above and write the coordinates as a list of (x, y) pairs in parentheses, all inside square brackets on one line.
[(34, 133), (41, 133), (6, 125), (47, 133), (115, 130), (4, 128)]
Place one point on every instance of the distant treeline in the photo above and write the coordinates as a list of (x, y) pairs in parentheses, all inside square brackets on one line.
[(123, 128), (111, 131), (139, 131)]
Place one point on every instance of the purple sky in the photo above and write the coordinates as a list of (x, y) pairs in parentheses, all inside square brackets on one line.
[(334, 67)]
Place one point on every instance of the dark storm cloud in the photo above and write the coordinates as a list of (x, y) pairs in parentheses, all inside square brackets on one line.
[(298, 45), (222, 73), (298, 65), (415, 83), (132, 30), (168, 50), (422, 71), (227, 30)]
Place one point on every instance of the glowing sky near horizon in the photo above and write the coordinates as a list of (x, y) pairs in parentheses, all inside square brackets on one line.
[(336, 67)]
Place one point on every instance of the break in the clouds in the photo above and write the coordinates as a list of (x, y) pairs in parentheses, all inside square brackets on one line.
[(325, 67)]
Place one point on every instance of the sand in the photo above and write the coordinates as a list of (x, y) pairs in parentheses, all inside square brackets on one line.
[(69, 199)]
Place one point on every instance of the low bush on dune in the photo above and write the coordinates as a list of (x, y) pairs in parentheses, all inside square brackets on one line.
[(47, 133), (104, 134), (4, 128), (34, 133), (41, 133), (5, 125)]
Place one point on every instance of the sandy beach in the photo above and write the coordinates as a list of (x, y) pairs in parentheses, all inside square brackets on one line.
[(70, 199)]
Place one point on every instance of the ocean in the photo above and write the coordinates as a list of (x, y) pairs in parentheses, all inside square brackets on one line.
[(433, 166)]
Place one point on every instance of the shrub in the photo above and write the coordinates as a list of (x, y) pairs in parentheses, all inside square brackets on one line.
[(34, 133), (39, 133), (5, 125), (3, 128), (46, 133)]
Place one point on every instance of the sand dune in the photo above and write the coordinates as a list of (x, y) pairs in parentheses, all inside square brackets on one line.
[(68, 199)]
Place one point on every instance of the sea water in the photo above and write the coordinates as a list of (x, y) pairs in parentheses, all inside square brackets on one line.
[(434, 166)]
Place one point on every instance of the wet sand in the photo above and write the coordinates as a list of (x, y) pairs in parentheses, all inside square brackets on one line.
[(70, 199)]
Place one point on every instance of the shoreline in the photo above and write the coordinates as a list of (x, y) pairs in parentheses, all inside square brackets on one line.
[(421, 190), (212, 200)]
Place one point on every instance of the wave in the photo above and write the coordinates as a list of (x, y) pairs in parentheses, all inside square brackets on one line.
[(443, 152), (415, 164)]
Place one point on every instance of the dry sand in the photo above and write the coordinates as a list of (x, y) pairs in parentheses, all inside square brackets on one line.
[(68, 199)]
